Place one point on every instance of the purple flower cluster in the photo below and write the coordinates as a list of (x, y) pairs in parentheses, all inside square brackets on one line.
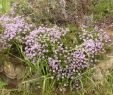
[(71, 67), (39, 41), (79, 58), (92, 46), (94, 40), (54, 64), (56, 33), (89, 46), (13, 28)]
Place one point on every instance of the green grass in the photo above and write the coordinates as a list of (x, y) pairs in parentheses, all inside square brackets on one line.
[(4, 6), (102, 8)]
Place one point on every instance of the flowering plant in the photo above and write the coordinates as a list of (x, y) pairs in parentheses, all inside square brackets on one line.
[(64, 63)]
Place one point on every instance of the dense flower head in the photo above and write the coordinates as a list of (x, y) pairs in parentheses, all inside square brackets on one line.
[(56, 32), (92, 48), (53, 63), (89, 46)]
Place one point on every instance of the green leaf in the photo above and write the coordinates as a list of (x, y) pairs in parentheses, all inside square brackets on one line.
[(2, 84)]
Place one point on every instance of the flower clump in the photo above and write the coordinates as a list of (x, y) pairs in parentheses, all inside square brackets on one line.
[(63, 62), (13, 28), (41, 41), (80, 57), (94, 41)]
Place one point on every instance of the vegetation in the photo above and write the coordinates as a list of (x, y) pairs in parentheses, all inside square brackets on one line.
[(56, 47)]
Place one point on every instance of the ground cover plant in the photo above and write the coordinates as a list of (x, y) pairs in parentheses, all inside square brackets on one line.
[(43, 53)]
